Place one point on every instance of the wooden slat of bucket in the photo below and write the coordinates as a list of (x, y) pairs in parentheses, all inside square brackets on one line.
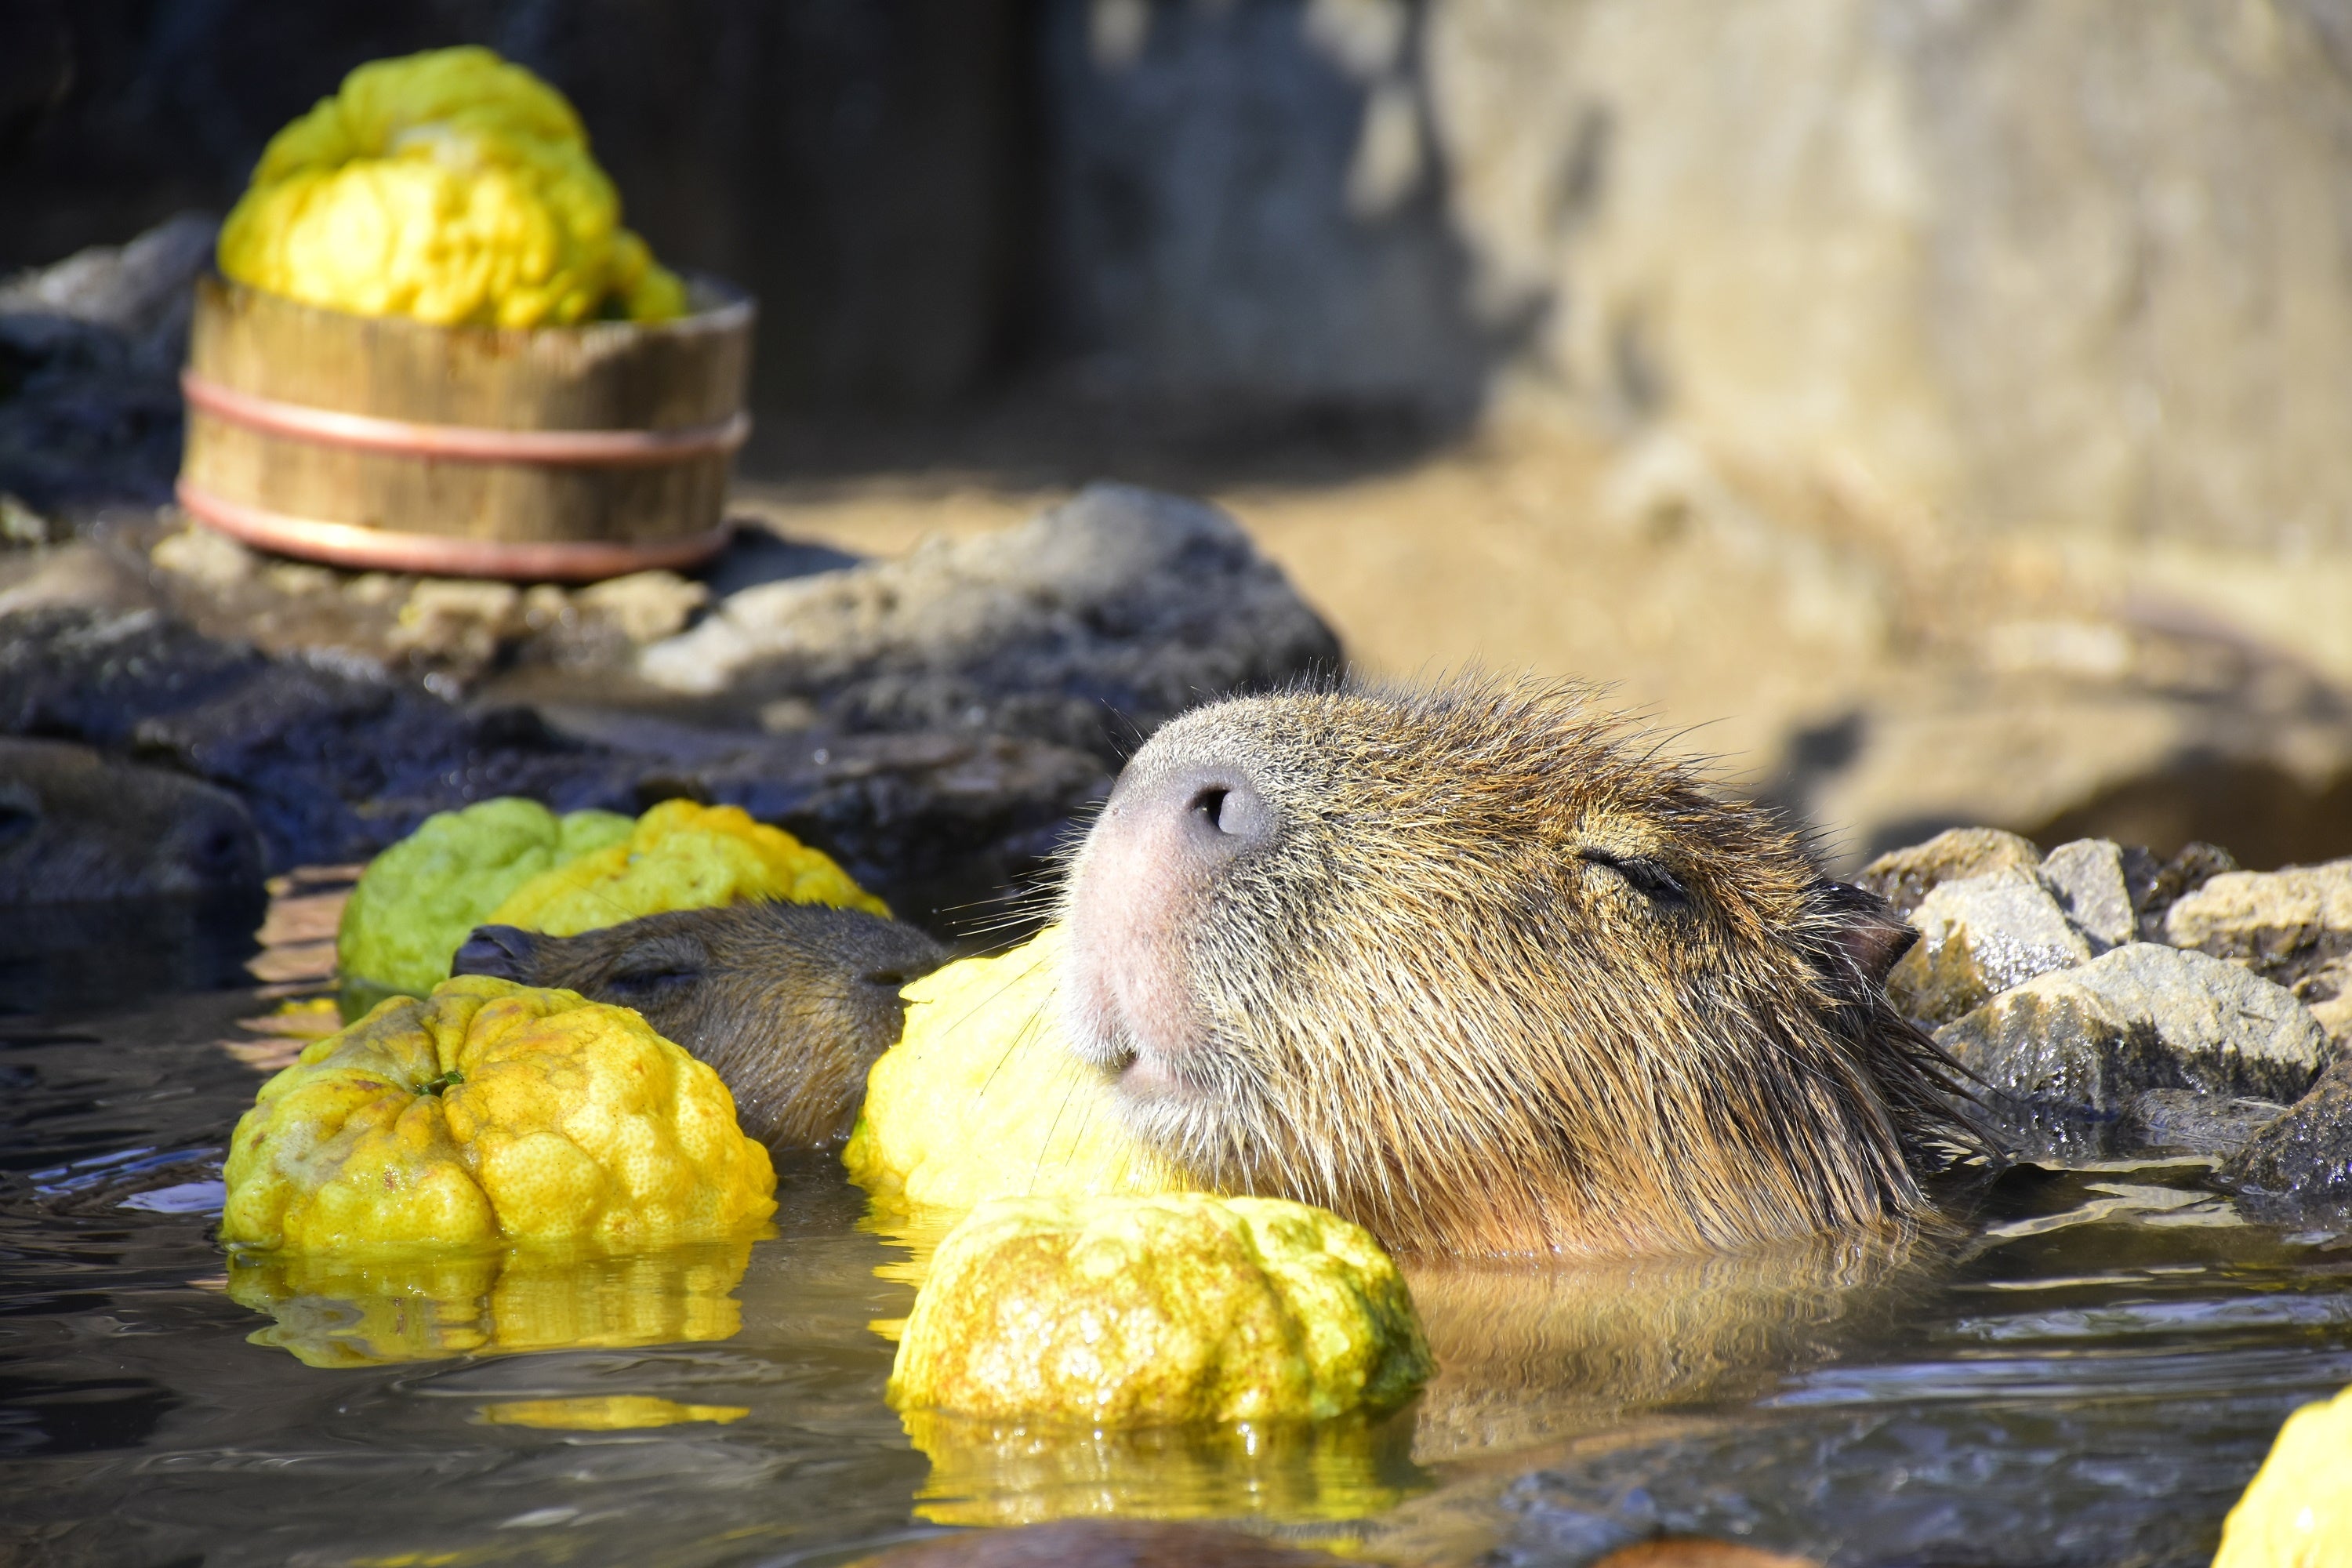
[(605, 376)]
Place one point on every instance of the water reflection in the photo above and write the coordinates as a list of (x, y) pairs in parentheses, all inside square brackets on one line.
[(335, 1311), (2088, 1376), (998, 1473), (1537, 1351)]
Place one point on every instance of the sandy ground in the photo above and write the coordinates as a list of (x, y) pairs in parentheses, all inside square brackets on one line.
[(1540, 552)]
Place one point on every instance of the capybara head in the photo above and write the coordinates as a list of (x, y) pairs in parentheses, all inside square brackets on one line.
[(791, 1003), (1482, 971)]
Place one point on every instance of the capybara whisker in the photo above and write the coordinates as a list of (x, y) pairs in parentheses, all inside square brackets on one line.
[(1485, 970)]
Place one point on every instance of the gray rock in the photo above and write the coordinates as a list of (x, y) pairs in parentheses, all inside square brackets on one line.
[(1087, 627), (2197, 864), (645, 606), (2256, 754), (1965, 255), (2086, 1041), (1307, 261), (2093, 889), (88, 351), (1905, 877), (334, 764), (1979, 936), (2183, 1121), (140, 289), (2303, 1160), (2287, 926)]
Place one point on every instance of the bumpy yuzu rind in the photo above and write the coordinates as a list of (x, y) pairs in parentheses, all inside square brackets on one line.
[(485, 1113), (1151, 1311)]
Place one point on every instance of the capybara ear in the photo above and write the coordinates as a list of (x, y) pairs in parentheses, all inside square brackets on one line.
[(1867, 935), (502, 952)]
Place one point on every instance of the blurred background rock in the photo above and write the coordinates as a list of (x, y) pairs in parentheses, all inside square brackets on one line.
[(1946, 407)]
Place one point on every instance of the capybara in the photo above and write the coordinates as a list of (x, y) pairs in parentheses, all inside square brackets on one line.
[(1476, 967), (1482, 970), (791, 1003)]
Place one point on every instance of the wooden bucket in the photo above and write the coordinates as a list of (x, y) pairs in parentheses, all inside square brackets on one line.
[(561, 454)]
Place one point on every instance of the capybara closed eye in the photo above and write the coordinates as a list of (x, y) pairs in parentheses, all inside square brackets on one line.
[(1477, 969), (791, 1003)]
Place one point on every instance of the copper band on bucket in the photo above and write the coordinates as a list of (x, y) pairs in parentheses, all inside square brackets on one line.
[(460, 443), (379, 550)]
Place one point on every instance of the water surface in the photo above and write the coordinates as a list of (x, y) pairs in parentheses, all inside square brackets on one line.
[(2087, 1375)]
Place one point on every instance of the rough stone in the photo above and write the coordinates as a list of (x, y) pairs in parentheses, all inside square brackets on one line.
[(78, 827), (1905, 877), (79, 575), (1978, 937), (2197, 864), (2333, 987), (20, 525), (2251, 753), (2288, 926), (138, 288), (931, 820), (2303, 1160), (89, 409), (2094, 886), (2003, 263), (2183, 1121), (1087, 627), (645, 606), (210, 559), (458, 621), (334, 762), (2083, 1042)]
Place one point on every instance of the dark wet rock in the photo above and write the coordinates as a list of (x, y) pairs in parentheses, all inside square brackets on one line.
[(1979, 936), (2183, 1121), (335, 762), (931, 821), (76, 826), (117, 879), (756, 554), (81, 574), (2302, 1160), (2327, 992), (1087, 627), (1855, 1469), (2289, 926), (1905, 877), (2197, 864), (2093, 879), (90, 351), (2074, 1049)]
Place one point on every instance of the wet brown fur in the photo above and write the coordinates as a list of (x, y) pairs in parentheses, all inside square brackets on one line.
[(791, 1003), (1507, 981)]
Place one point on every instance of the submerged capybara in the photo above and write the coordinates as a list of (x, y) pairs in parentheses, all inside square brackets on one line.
[(1481, 971), (1475, 967), (791, 1003)]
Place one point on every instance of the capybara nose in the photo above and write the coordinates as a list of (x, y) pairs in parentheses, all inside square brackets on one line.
[(1203, 814), (501, 952), (1143, 884)]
